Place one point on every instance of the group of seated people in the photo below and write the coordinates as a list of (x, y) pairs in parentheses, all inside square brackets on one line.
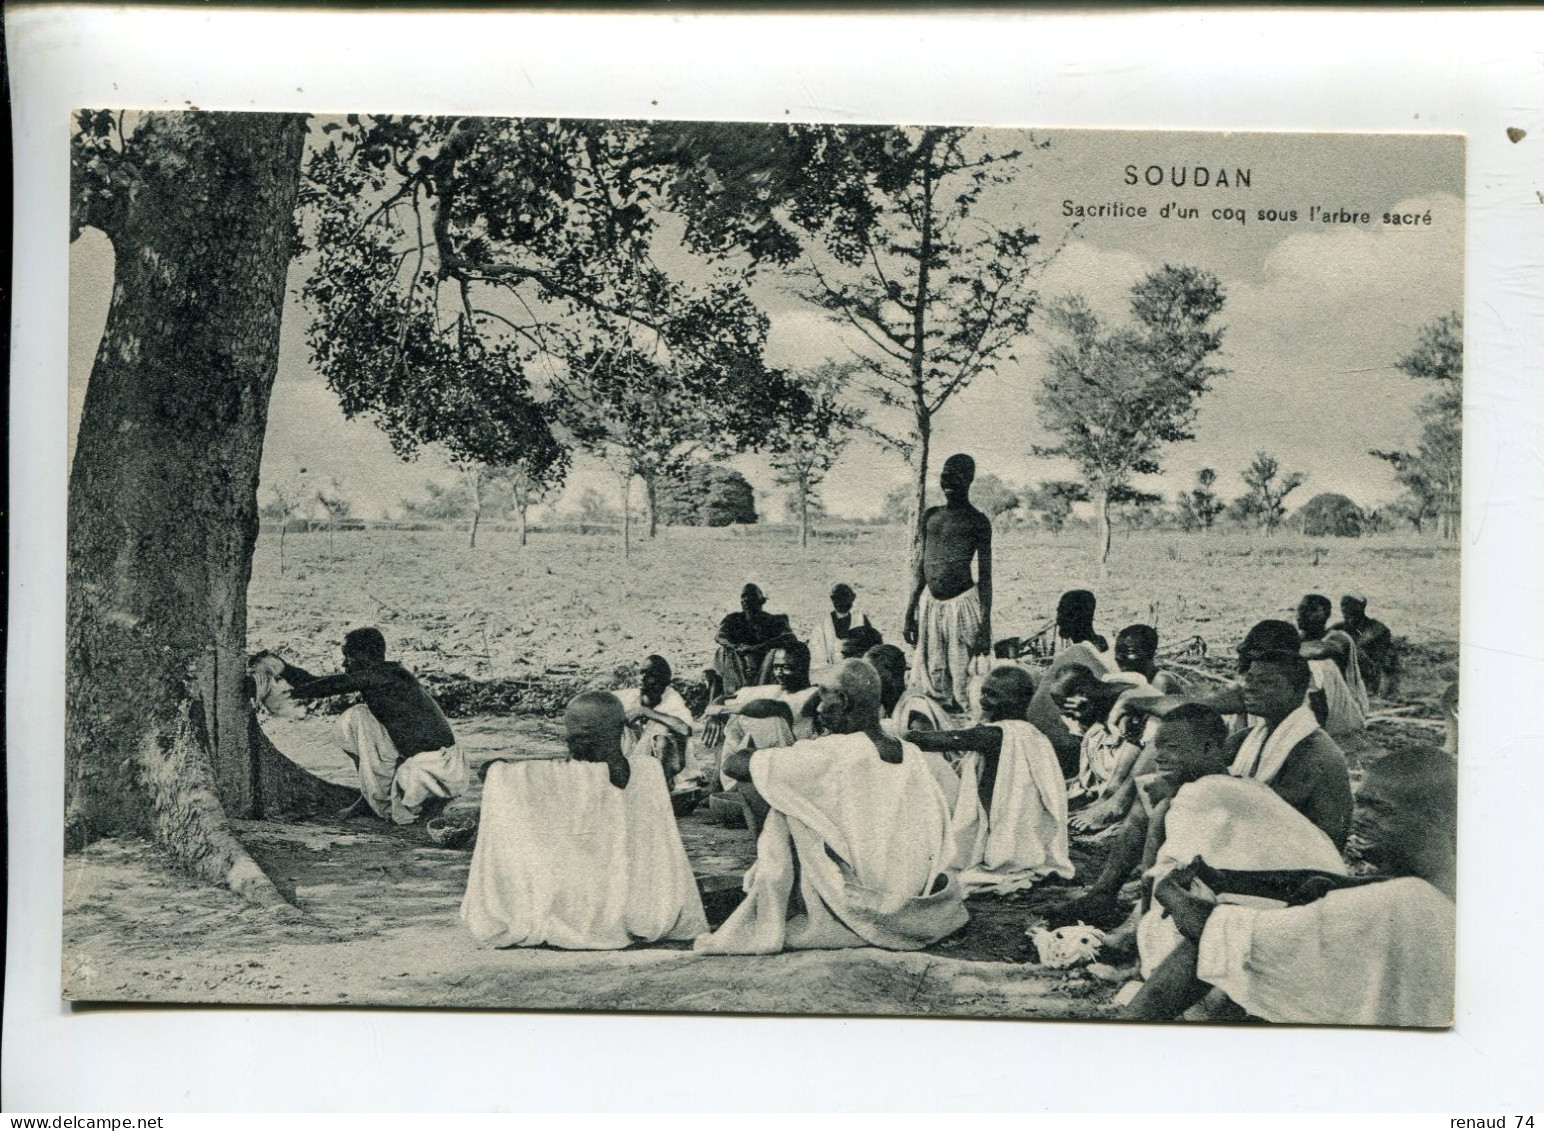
[(878, 808)]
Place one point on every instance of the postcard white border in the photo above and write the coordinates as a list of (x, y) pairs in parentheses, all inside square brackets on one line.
[(1466, 71)]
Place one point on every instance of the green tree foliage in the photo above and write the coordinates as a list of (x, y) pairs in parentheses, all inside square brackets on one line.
[(879, 227), (1328, 515), (1264, 504), (1053, 501), (1433, 473), (1114, 396), (807, 439)]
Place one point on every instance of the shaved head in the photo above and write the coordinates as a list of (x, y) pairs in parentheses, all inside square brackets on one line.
[(849, 697), (594, 722)]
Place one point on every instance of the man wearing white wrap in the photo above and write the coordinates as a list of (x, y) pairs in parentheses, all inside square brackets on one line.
[(581, 853), (859, 821), (1336, 665), (405, 752), (949, 616), (1010, 819), (1345, 951)]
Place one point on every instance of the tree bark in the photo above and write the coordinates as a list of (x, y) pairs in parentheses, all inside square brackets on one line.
[(1102, 505), (474, 487), (163, 492), (627, 515), (520, 510), (804, 514), (649, 487)]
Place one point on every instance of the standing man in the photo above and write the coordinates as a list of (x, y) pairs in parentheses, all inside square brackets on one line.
[(949, 617), (398, 737), (1374, 641)]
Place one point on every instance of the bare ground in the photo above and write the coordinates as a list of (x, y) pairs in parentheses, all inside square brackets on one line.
[(375, 918)]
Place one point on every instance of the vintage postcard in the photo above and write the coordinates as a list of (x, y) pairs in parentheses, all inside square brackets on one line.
[(763, 567)]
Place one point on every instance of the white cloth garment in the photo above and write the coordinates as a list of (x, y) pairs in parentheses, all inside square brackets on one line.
[(270, 692), (648, 736), (869, 842), (798, 701), (940, 666), (1262, 755), (825, 645), (741, 732), (1233, 823), (564, 858), (1024, 838), (1103, 742), (1345, 698), (394, 791), (1375, 955)]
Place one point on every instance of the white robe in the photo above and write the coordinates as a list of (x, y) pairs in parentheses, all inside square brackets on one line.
[(825, 645), (565, 858), (1375, 955), (869, 842), (1232, 823), (1345, 699), (1024, 838)]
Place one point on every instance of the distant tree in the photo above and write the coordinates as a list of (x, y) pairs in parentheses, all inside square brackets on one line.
[(1413, 508), (1136, 510), (527, 491), (333, 501), (730, 499), (1328, 515), (1053, 501), (896, 508), (1265, 501), (440, 502), (1200, 507), (992, 497), (288, 499), (1433, 473), (1114, 397), (594, 509), (887, 230), (807, 439), (795, 510), (708, 494)]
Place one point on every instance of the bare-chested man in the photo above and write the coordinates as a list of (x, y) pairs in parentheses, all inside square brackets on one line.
[(949, 617)]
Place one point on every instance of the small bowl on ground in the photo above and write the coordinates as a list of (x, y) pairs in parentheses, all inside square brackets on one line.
[(452, 832)]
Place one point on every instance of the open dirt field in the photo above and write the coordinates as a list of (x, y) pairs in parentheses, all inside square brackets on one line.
[(502, 612), (566, 610)]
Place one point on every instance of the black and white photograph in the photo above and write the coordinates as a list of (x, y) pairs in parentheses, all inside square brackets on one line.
[(533, 563)]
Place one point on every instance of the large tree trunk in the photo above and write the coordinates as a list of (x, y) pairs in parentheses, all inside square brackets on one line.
[(163, 493)]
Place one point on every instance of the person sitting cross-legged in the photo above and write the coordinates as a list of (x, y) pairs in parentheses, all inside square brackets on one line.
[(398, 739), (1010, 821), (658, 719), (581, 852), (858, 827), (1372, 950)]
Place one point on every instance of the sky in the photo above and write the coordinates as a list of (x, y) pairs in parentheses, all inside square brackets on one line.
[(1316, 316)]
